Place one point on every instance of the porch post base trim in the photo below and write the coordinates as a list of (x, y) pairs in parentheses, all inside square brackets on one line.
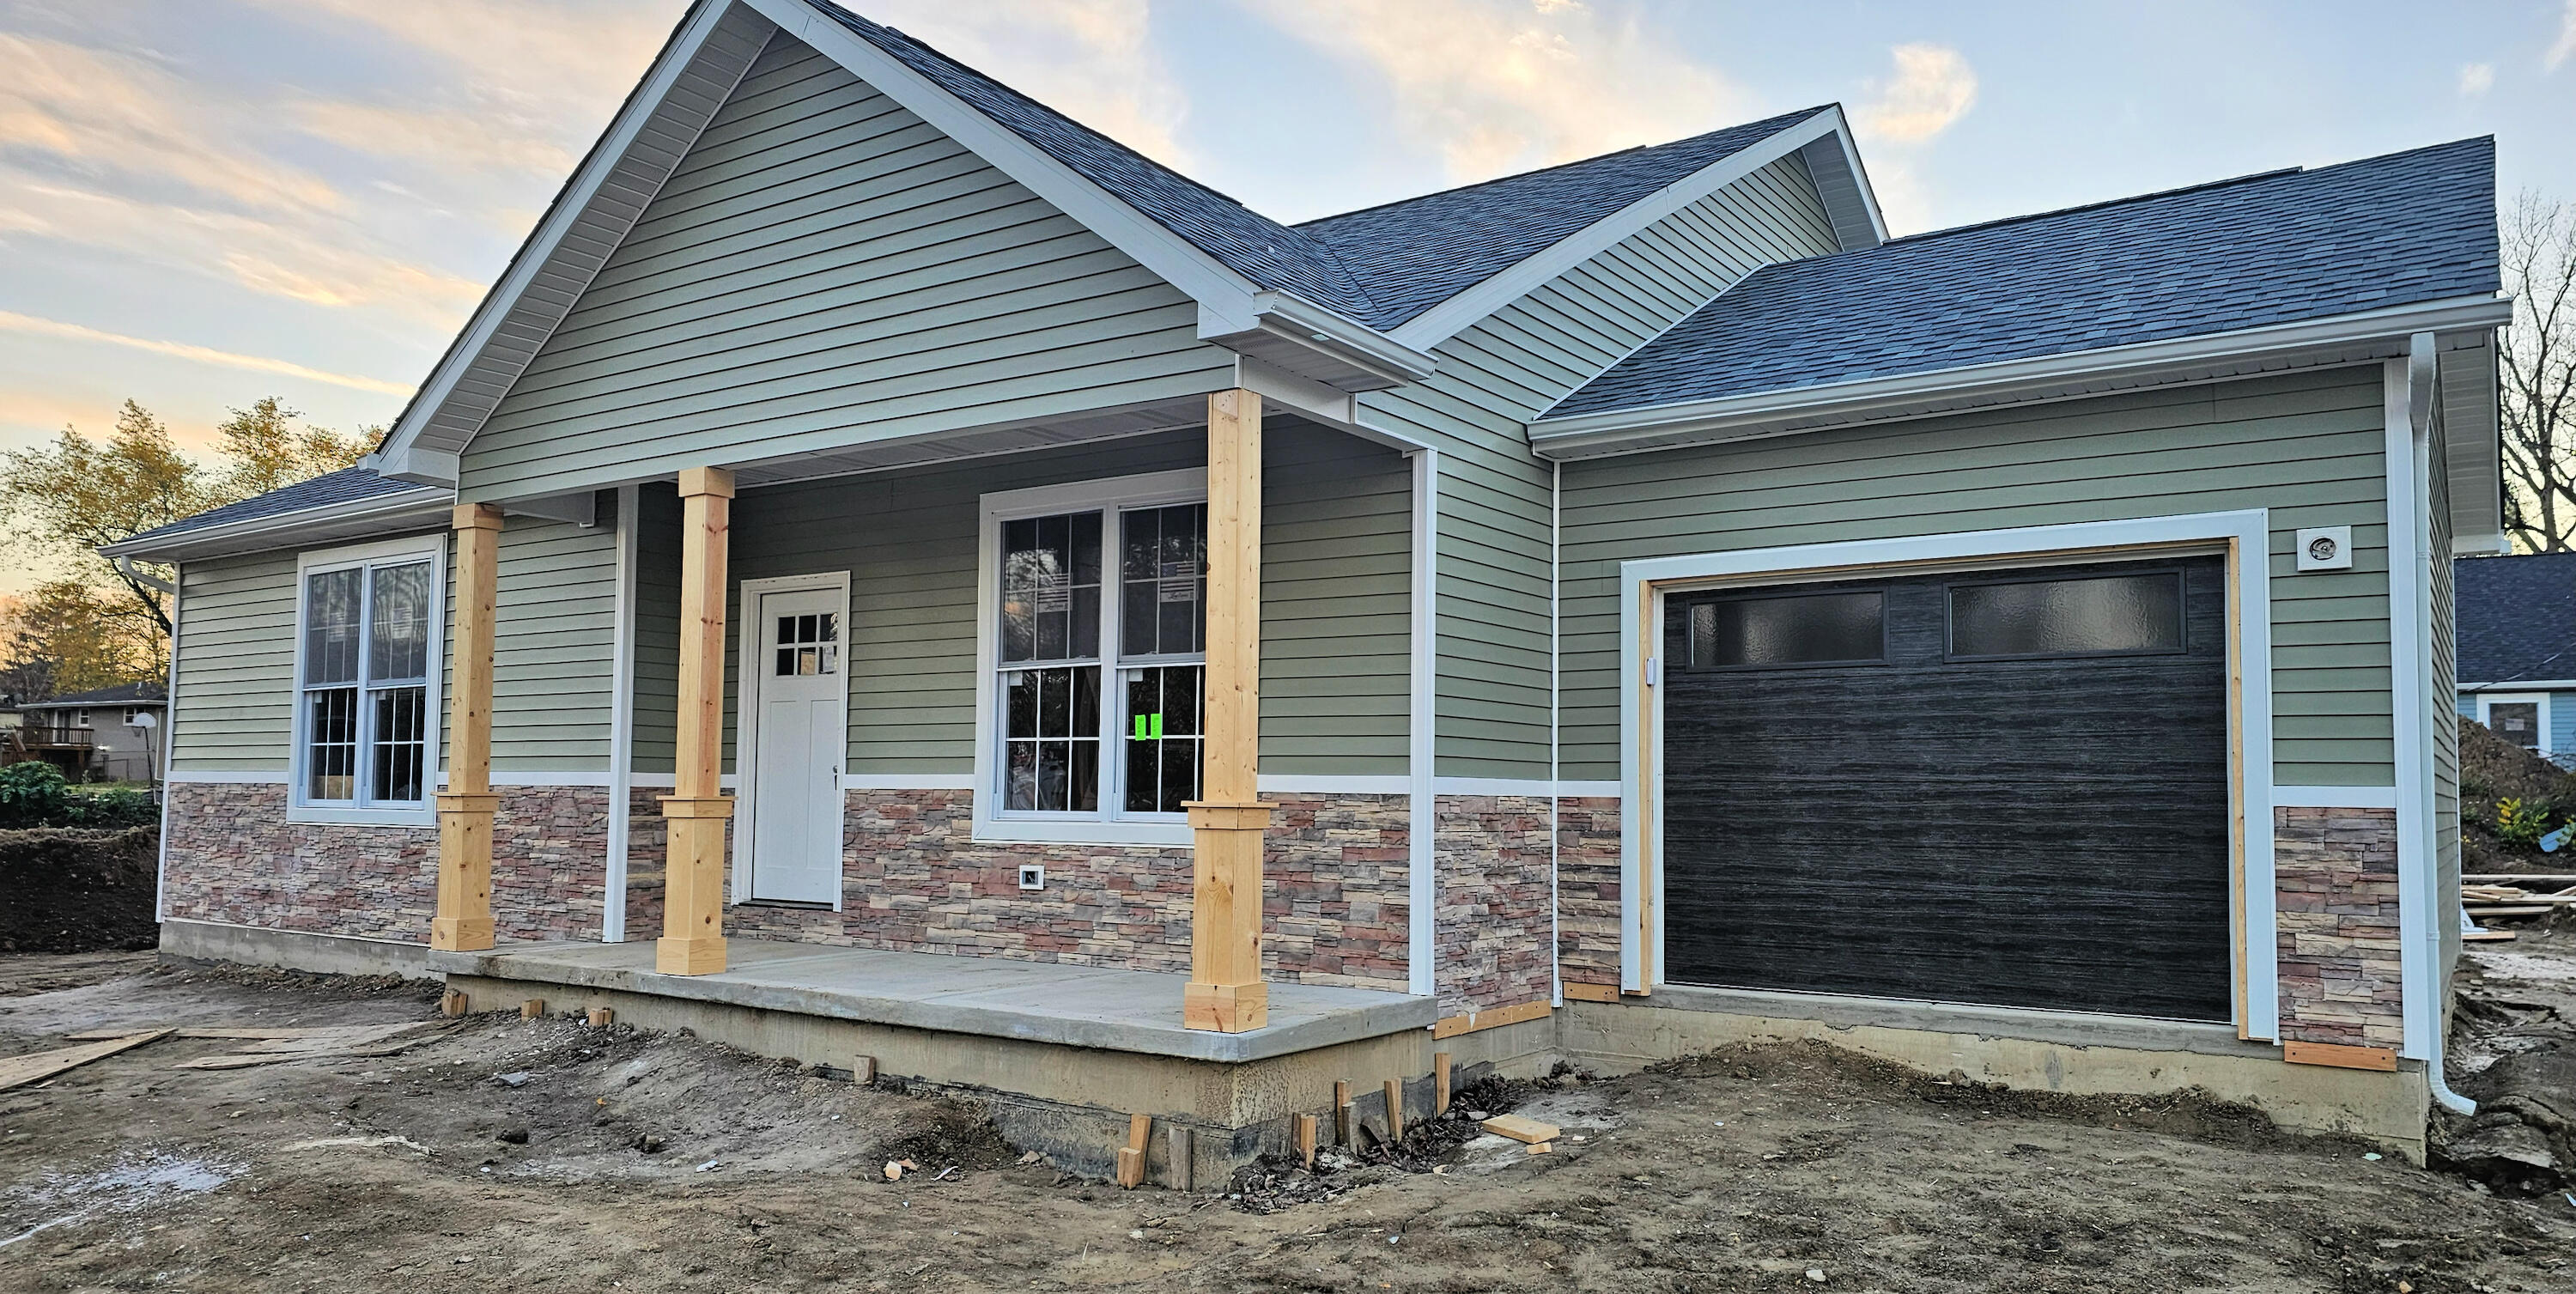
[(1225, 1008), (693, 955), (460, 934)]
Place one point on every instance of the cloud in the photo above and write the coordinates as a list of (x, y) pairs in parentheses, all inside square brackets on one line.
[(14, 322), (1933, 88), (99, 114), (1092, 60), (1504, 85), (325, 263), (2565, 46), (2476, 79)]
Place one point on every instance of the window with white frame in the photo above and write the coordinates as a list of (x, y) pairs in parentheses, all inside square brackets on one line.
[(366, 656), (1099, 636)]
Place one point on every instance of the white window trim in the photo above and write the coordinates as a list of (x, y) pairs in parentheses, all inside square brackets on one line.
[(2541, 699), (433, 774), (1644, 584), (749, 670), (1150, 489)]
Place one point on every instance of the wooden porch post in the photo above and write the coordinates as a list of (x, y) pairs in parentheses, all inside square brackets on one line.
[(1225, 991), (463, 920), (695, 812)]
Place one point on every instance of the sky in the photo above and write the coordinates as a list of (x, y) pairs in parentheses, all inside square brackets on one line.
[(203, 202)]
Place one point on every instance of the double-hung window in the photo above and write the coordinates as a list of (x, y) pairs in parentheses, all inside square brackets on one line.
[(1097, 628), (367, 658)]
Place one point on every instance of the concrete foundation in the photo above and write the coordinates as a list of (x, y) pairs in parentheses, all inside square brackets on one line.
[(2040, 1051), (295, 950)]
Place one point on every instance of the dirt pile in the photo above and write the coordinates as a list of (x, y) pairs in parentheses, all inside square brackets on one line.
[(66, 890), (2492, 771)]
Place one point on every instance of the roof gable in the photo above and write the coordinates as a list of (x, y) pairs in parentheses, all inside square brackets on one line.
[(2268, 249)]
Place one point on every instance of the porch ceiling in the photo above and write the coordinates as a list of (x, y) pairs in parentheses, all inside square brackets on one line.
[(1072, 1006)]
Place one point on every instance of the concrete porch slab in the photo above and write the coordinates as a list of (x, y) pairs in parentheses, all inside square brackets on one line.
[(1041, 1002)]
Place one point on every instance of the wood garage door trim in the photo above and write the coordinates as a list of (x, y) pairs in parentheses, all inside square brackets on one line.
[(2241, 538)]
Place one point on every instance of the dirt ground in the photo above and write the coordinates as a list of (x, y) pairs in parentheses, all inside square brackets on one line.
[(511, 1155)]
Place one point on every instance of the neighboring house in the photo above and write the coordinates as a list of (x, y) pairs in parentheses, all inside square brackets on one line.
[(989, 603), (109, 734), (2517, 626)]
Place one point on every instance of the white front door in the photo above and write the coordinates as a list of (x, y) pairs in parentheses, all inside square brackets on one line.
[(801, 727)]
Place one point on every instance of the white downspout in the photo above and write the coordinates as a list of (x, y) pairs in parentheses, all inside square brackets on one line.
[(2410, 482), (1422, 852)]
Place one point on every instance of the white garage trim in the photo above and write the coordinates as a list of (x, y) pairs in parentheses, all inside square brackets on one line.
[(1643, 585)]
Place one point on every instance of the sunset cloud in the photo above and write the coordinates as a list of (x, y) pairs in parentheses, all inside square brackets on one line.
[(11, 321)]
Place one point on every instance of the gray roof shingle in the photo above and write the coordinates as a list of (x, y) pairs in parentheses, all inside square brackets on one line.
[(1380, 266), (2517, 617), (347, 485), (2266, 249)]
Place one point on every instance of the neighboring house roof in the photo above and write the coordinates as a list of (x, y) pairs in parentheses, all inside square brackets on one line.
[(121, 694), (2267, 249), (2516, 618)]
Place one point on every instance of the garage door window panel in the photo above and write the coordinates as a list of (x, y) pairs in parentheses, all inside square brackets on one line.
[(2098, 615), (1836, 628)]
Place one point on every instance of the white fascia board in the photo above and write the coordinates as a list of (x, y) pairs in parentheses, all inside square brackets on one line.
[(260, 534), (2523, 685), (402, 459), (1860, 175), (1463, 311), (1599, 435), (1293, 318)]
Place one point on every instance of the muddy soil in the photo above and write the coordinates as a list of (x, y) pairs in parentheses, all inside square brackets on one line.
[(66, 890), (510, 1155)]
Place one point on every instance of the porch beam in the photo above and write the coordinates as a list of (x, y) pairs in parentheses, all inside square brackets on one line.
[(462, 921), (695, 813), (1227, 822)]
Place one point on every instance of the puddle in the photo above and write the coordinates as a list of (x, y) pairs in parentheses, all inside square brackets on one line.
[(123, 1186)]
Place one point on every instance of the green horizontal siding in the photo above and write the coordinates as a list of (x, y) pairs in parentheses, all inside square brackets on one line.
[(1336, 580), (826, 269), (554, 644), (1495, 495), (2308, 446), (236, 672)]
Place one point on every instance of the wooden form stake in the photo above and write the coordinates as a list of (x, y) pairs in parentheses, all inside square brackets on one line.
[(1345, 1133), (1394, 1110), (1180, 1154), (1131, 1157), (462, 921), (1439, 1083), (696, 811), (601, 1017), (1306, 1139), (452, 1003), (532, 1009), (1225, 992)]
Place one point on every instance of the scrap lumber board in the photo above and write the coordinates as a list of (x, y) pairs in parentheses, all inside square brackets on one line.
[(1528, 1131), (1591, 992), (1475, 1021), (2518, 878), (1131, 1157), (17, 1070), (2489, 936), (194, 1031)]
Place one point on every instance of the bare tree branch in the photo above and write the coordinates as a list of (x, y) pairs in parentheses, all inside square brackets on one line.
[(2538, 368)]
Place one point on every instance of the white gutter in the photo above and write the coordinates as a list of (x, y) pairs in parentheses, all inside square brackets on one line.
[(1742, 417)]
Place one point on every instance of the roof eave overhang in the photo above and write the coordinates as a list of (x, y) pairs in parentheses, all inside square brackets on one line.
[(1301, 337), (2339, 339), (379, 514)]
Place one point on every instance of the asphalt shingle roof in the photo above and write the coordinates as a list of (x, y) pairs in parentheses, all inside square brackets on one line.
[(2266, 249), (1381, 266), (1422, 251), (346, 485), (121, 694), (2517, 617)]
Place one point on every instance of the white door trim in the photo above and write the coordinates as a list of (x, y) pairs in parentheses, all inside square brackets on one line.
[(746, 708), (1644, 583)]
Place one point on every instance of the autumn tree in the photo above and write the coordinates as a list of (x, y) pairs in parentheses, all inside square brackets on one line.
[(72, 497), (64, 636), (2538, 368)]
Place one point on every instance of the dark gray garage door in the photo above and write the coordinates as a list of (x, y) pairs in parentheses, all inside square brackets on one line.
[(2002, 787)]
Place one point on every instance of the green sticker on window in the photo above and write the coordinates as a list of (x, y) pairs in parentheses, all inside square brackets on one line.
[(1149, 727)]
